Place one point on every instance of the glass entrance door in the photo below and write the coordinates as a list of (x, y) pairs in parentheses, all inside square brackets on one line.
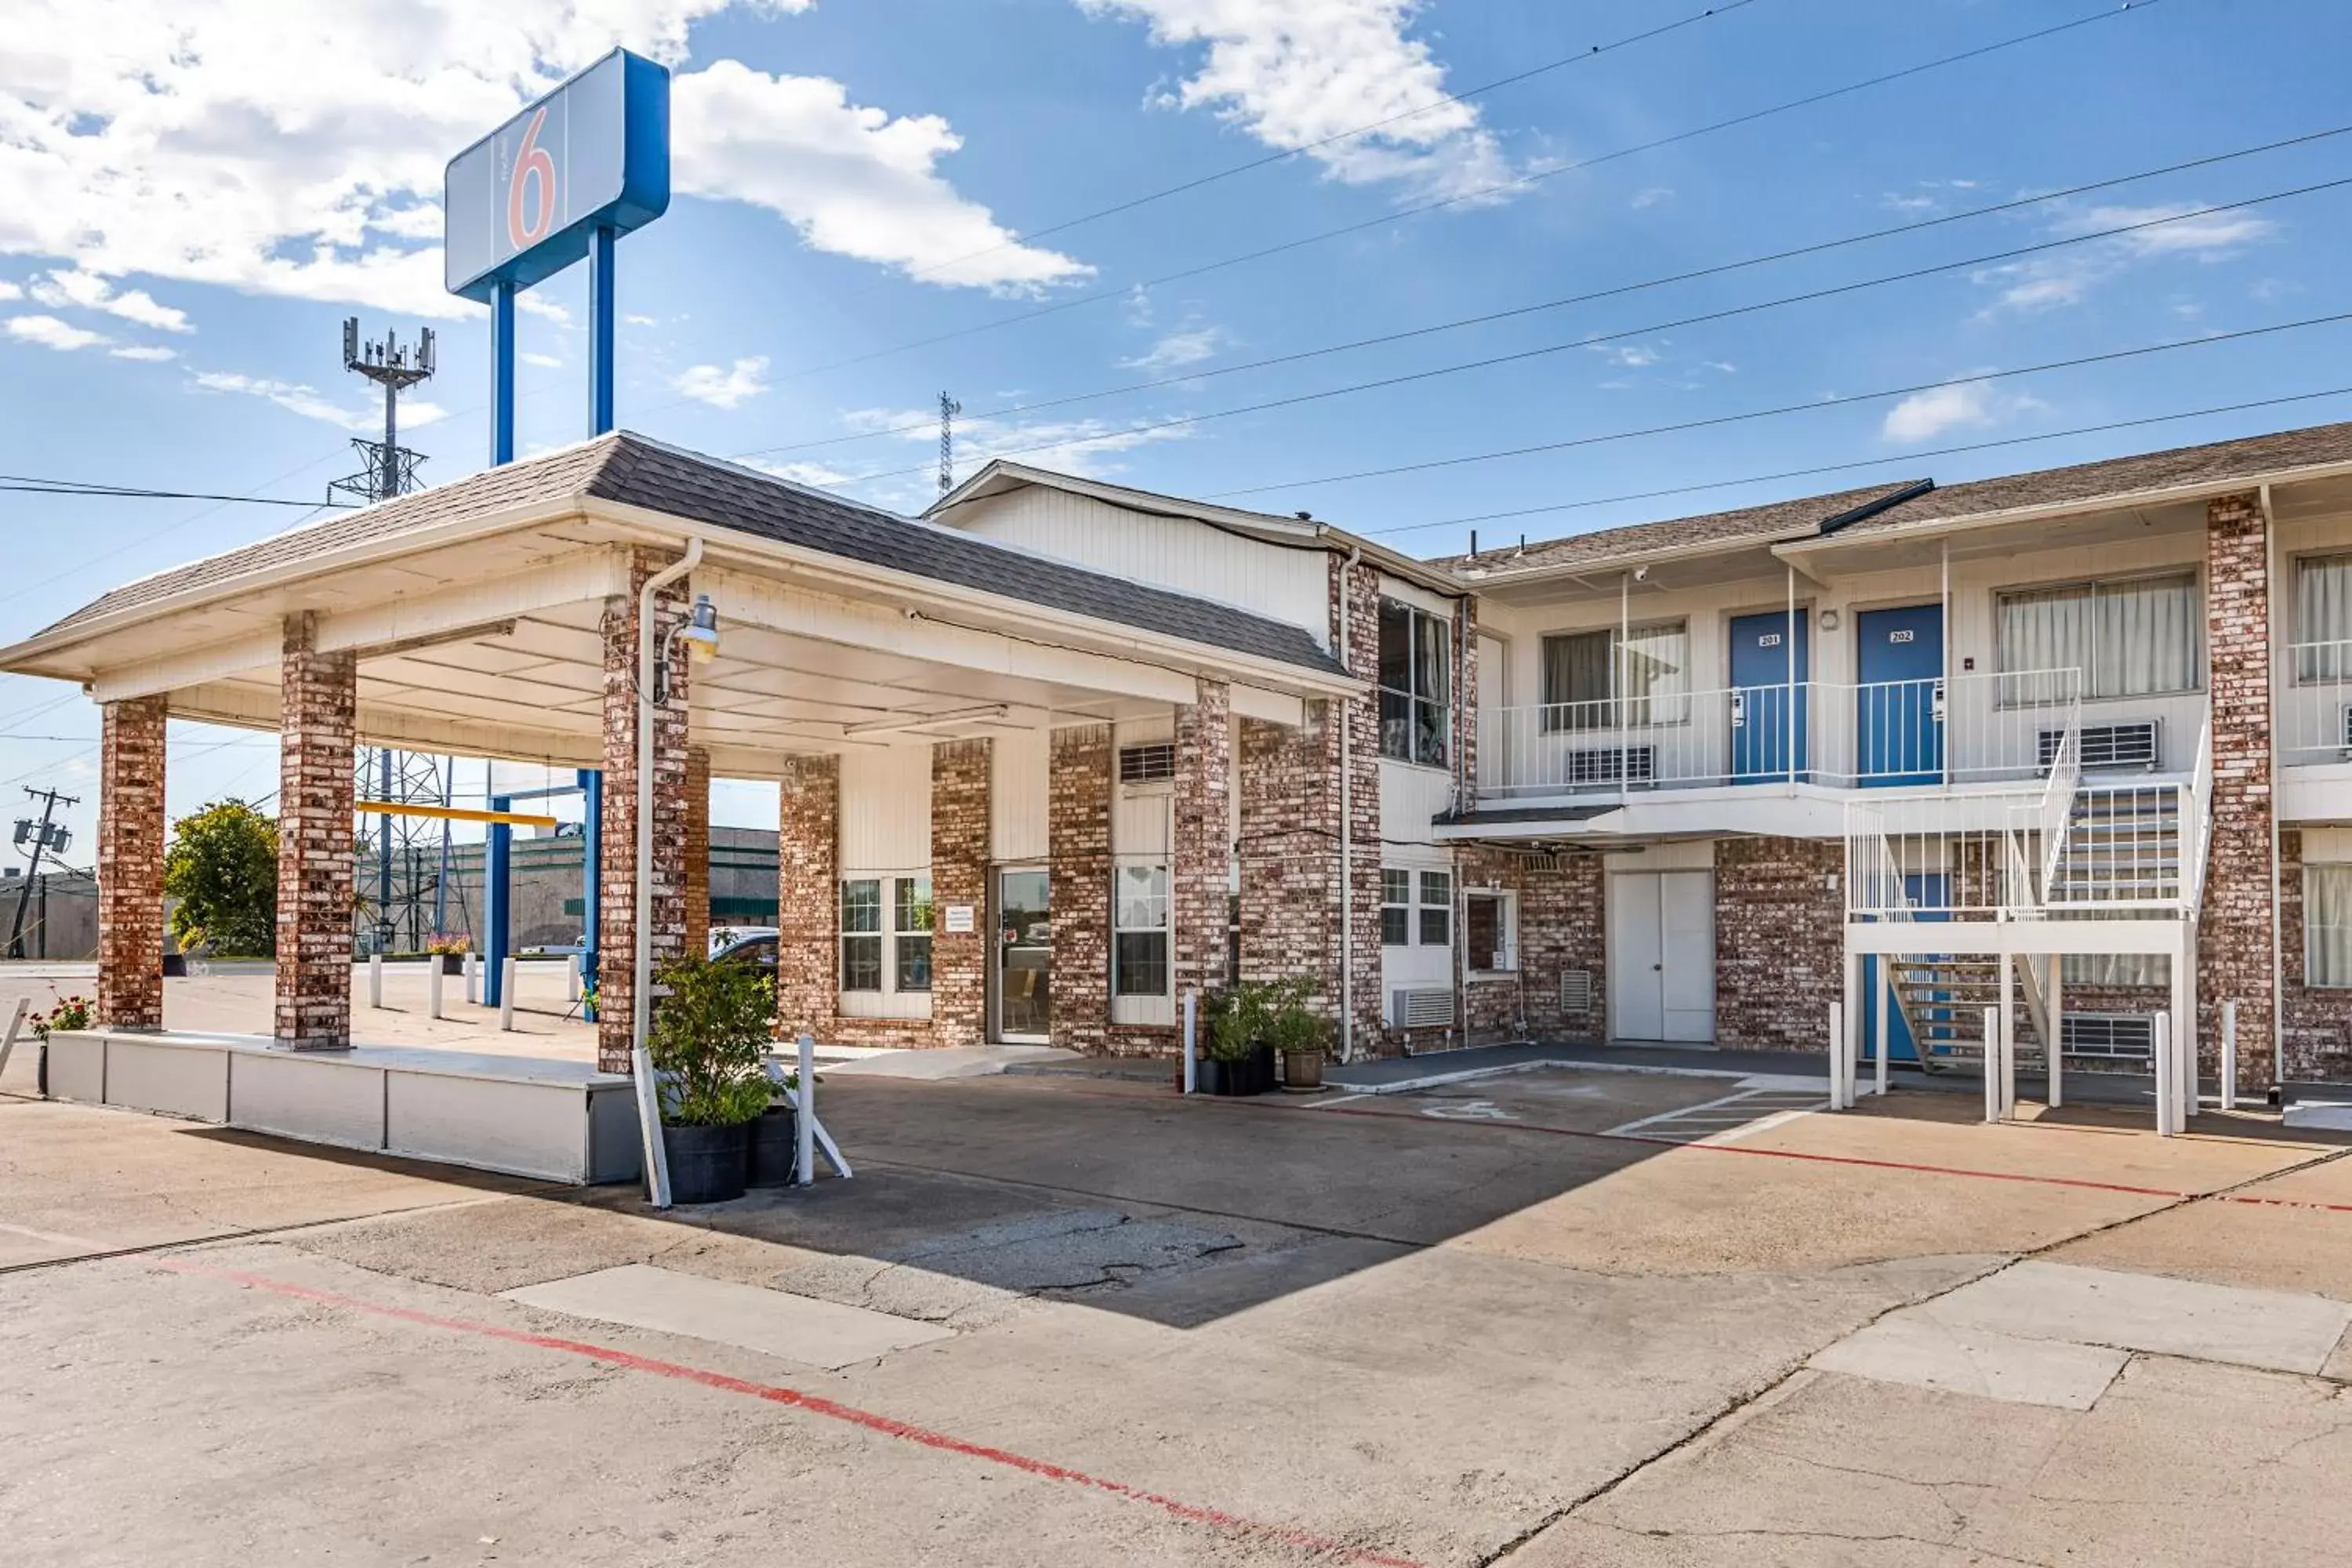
[(1024, 956)]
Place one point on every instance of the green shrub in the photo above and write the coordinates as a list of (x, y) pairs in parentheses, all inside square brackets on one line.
[(708, 1034), (222, 868)]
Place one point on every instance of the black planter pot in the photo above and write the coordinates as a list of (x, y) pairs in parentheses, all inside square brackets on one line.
[(774, 1148), (1220, 1078), (707, 1164), (1261, 1065), (452, 963)]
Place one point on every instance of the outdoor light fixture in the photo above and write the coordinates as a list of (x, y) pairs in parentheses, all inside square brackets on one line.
[(700, 633)]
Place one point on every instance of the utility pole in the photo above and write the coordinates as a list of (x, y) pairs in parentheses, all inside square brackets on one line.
[(49, 834), (391, 468), (948, 409)]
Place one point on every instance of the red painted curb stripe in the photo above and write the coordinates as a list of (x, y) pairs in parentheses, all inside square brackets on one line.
[(815, 1405)]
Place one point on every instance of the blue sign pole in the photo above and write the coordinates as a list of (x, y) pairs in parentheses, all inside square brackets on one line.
[(497, 900), (592, 874), (601, 289), (502, 364)]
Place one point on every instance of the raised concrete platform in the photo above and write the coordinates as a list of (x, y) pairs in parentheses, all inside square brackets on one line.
[(523, 1116)]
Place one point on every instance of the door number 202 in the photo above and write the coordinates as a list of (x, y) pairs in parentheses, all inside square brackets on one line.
[(1901, 637)]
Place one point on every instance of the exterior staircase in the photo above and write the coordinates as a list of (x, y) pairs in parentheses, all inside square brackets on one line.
[(1943, 996), (2122, 846)]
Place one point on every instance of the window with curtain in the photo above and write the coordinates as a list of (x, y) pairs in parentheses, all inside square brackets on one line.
[(2133, 637), (2327, 926), (1416, 685), (2323, 619), (911, 933), (1653, 677), (1139, 956), (1396, 906), (2121, 969)]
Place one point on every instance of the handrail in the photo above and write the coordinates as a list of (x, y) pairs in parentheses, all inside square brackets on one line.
[(2200, 822), (2058, 806)]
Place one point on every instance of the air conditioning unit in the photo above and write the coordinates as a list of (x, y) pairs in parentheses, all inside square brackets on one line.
[(1422, 1007), (2343, 727), (2127, 1037), (1147, 765), (1575, 991), (2131, 745), (1613, 764)]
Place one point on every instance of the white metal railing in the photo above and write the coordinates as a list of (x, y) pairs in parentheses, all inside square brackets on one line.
[(1968, 856), (1967, 728), (2057, 806), (2315, 704), (2197, 825)]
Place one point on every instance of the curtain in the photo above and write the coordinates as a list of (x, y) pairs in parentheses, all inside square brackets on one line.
[(2116, 969), (2129, 639), (2328, 925), (2042, 630), (1657, 675), (1576, 682), (2323, 619)]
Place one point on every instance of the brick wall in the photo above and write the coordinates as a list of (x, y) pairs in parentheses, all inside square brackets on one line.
[(615, 981), (808, 835), (131, 835), (1356, 603), (1779, 942), (1289, 852), (698, 850), (960, 829), (2319, 1021), (1201, 827), (2235, 953), (1562, 927), (1079, 813), (316, 756)]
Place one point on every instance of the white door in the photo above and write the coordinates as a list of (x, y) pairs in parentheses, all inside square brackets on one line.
[(1661, 965)]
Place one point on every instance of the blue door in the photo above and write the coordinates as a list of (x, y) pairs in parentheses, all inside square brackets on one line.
[(1900, 727), (1769, 662), (1928, 893)]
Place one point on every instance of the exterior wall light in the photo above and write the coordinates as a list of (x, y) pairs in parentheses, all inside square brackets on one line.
[(700, 633), (1828, 620)]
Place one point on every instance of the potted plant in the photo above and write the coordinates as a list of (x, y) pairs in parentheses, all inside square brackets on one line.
[(775, 1141), (708, 1037), (1301, 1034), (449, 947), (70, 1014), (1237, 1061)]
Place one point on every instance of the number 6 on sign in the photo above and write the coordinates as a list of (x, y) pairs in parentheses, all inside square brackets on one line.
[(532, 161)]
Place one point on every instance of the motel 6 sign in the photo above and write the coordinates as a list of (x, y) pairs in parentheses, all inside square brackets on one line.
[(526, 201)]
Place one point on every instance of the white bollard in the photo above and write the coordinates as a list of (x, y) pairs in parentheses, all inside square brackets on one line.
[(507, 995), (571, 978), (1993, 1063), (433, 978), (472, 979), (1191, 1042), (2166, 1070), (16, 1021), (804, 1124), (376, 980), (1838, 1064), (2230, 1056), (1886, 992)]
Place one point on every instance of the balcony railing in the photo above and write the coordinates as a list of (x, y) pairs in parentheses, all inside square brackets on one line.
[(1965, 729), (2315, 704)]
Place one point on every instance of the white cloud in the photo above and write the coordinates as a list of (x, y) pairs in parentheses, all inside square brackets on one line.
[(728, 388), (1087, 447), (1652, 196), (1294, 74), (153, 352), (52, 333), (1176, 350), (1962, 406), (849, 178), (544, 361), (539, 305), (9, 290), (1632, 356), (816, 474), (292, 149), (296, 398), (89, 291), (641, 320), (2207, 234), (2066, 277)]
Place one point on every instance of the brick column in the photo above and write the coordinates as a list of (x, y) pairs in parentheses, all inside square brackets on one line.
[(1779, 940), (1079, 840), (698, 850), (1289, 852), (317, 740), (808, 897), (1356, 603), (615, 977), (1200, 856), (960, 780), (1465, 702), (130, 833), (2236, 954)]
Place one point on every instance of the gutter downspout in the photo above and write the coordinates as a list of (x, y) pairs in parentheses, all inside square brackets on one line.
[(641, 954), (1346, 819), (2269, 691)]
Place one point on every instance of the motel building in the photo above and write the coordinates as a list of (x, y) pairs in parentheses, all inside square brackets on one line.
[(2064, 756)]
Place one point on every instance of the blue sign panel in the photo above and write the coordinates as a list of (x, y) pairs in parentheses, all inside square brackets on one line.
[(526, 201)]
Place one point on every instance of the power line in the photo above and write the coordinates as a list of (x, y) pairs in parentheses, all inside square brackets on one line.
[(2111, 356), (1490, 317), (20, 483), (1482, 192), (1597, 339), (1290, 153), (1859, 463)]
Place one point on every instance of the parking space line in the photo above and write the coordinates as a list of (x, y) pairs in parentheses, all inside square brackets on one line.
[(813, 1403)]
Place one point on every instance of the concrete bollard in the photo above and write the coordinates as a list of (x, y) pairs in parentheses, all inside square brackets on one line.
[(804, 1124), (376, 980), (571, 978), (472, 979), (506, 994), (1993, 1063), (2168, 1119), (433, 978), (1191, 1040), (2230, 1056)]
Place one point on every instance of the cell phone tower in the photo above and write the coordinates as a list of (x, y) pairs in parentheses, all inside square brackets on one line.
[(412, 853)]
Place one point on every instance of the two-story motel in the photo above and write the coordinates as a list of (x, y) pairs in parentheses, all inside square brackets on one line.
[(2074, 744)]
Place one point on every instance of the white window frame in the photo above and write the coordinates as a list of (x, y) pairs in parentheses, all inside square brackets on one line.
[(889, 999), (1506, 933), (2185, 574), (2319, 971), (1424, 906), (1143, 1006), (1410, 693), (1389, 879)]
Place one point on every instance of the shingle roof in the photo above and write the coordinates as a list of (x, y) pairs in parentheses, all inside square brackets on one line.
[(2218, 461), (632, 470)]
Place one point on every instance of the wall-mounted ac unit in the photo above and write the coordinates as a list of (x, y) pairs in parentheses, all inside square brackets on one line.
[(2343, 726), (2129, 745), (1575, 991), (1422, 1007), (1147, 763), (1613, 764), (2130, 1037)]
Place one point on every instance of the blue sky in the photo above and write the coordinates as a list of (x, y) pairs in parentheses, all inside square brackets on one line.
[(193, 192)]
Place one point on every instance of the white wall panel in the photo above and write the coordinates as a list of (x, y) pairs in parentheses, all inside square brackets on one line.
[(885, 809), (1019, 785), (1410, 796)]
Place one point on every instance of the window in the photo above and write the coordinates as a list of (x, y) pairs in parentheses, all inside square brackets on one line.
[(1139, 905), (2327, 926), (1147, 765), (2129, 639), (2323, 620), (1488, 934), (2117, 969), (1651, 685), (1396, 906), (861, 934), (1416, 684), (1436, 909), (910, 929)]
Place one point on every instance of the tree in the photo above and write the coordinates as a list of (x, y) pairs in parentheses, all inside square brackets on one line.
[(222, 866)]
